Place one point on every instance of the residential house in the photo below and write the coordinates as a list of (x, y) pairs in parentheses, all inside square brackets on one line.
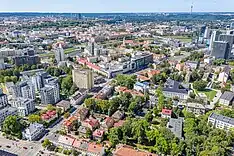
[(191, 64), (49, 116), (176, 127), (81, 145), (118, 115), (224, 75), (98, 134), (108, 123), (79, 97), (166, 113), (180, 66), (64, 105), (33, 132), (174, 88), (105, 92), (82, 131), (119, 123), (141, 87), (126, 150), (68, 123), (82, 113), (90, 123), (196, 108), (220, 121), (226, 98), (134, 93)]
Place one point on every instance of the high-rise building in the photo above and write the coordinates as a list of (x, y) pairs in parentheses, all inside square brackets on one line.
[(207, 33), (214, 37), (59, 54), (24, 106), (230, 40), (50, 93), (83, 78), (24, 89), (220, 50), (3, 99)]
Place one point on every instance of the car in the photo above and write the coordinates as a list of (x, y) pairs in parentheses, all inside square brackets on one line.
[(8, 146), (25, 147), (31, 147), (41, 152)]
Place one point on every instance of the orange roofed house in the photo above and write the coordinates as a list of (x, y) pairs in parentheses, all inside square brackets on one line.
[(81, 114), (69, 123), (49, 116), (125, 150)]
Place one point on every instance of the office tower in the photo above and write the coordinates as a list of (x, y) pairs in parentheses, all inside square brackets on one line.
[(59, 53), (50, 93), (207, 32), (3, 99), (91, 47), (24, 106), (230, 40), (220, 50), (202, 31), (83, 78), (214, 37), (24, 89)]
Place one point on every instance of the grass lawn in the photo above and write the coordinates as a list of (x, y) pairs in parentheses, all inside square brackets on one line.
[(181, 38), (209, 93)]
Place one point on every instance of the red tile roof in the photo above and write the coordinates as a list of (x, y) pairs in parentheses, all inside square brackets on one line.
[(119, 123), (98, 133), (125, 150), (166, 111)]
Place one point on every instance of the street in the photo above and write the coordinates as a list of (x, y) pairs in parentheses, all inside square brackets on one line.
[(18, 147)]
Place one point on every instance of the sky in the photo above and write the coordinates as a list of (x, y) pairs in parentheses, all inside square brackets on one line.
[(106, 6)]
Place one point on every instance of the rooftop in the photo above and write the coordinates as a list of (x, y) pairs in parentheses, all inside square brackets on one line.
[(222, 118), (227, 96)]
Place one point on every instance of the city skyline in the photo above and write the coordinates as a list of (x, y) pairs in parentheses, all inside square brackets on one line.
[(105, 6)]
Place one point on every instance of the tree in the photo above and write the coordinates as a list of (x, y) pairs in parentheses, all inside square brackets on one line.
[(88, 133), (90, 103), (34, 118), (199, 85), (50, 107), (12, 126), (46, 143), (115, 136), (66, 84), (66, 115)]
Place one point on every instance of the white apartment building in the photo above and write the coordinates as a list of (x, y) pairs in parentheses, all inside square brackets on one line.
[(33, 132), (24, 106), (220, 121), (5, 112)]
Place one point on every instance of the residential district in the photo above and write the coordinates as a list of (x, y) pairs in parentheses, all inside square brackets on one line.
[(121, 85)]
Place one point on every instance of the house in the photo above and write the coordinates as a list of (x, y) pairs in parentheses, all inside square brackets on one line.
[(224, 75), (119, 123), (141, 87), (68, 123), (191, 64), (176, 127), (166, 113), (82, 131), (152, 72), (126, 150), (49, 116), (82, 113), (196, 108), (174, 88), (226, 98), (98, 134), (81, 145), (33, 132), (134, 93), (90, 123), (79, 97), (118, 115), (180, 66), (64, 105), (108, 123), (105, 92), (220, 121)]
